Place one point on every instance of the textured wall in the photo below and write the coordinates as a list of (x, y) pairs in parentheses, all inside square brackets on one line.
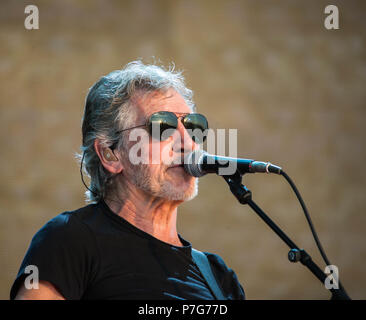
[(294, 90)]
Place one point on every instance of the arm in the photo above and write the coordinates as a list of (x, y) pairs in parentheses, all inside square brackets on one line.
[(66, 261), (46, 291)]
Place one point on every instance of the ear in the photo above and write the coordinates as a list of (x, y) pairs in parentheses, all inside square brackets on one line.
[(108, 158)]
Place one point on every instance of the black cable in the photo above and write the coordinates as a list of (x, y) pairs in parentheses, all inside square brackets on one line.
[(82, 176), (95, 193), (317, 241)]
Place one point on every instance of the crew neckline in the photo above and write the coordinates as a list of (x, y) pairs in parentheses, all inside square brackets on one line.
[(187, 246)]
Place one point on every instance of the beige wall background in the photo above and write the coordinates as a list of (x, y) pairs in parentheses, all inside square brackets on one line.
[(294, 90)]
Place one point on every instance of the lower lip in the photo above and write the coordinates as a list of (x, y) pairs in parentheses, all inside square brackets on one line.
[(182, 173), (176, 167)]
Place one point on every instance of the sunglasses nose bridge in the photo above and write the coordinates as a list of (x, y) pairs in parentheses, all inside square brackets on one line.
[(179, 131), (186, 142)]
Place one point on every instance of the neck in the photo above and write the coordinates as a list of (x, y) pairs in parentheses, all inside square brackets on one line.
[(153, 215)]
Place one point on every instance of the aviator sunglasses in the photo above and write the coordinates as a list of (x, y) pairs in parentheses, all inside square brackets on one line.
[(164, 123)]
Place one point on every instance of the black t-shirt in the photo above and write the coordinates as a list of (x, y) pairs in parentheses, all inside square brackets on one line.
[(92, 253)]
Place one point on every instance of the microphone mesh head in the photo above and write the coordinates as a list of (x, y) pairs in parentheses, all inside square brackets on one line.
[(192, 163)]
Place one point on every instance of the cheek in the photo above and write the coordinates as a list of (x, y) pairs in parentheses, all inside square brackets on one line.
[(162, 152), (139, 147)]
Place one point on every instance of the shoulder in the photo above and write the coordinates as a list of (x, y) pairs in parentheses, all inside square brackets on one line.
[(226, 277), (67, 226), (66, 237), (64, 253)]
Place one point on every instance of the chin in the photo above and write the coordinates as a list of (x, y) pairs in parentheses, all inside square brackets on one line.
[(177, 193)]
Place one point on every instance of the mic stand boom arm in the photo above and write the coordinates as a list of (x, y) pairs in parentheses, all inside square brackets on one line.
[(295, 254)]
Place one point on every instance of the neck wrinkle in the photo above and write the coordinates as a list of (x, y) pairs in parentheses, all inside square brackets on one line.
[(153, 215)]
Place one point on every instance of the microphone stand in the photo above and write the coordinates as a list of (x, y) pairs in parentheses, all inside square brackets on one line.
[(295, 254)]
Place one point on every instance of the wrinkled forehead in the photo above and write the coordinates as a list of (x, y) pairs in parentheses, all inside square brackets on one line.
[(147, 103)]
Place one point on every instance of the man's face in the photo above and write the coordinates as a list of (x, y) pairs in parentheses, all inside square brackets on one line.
[(161, 177)]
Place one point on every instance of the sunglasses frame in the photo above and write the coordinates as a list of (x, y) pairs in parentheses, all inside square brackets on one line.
[(179, 115)]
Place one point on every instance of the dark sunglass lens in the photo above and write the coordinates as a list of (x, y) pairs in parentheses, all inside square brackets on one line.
[(196, 124), (162, 124)]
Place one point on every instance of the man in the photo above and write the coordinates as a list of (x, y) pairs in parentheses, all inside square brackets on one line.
[(125, 245)]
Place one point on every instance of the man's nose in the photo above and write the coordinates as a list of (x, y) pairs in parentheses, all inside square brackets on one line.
[(187, 145)]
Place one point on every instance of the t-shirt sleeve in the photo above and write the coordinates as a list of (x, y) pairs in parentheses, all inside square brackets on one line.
[(64, 252), (226, 277)]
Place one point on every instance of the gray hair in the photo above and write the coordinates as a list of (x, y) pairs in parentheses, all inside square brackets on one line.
[(108, 110)]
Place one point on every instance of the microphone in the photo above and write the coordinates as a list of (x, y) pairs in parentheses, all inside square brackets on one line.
[(199, 162)]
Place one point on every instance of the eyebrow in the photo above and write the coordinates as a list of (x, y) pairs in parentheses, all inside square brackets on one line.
[(180, 113)]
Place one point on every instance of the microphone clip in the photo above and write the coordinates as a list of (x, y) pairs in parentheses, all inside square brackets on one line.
[(240, 191)]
